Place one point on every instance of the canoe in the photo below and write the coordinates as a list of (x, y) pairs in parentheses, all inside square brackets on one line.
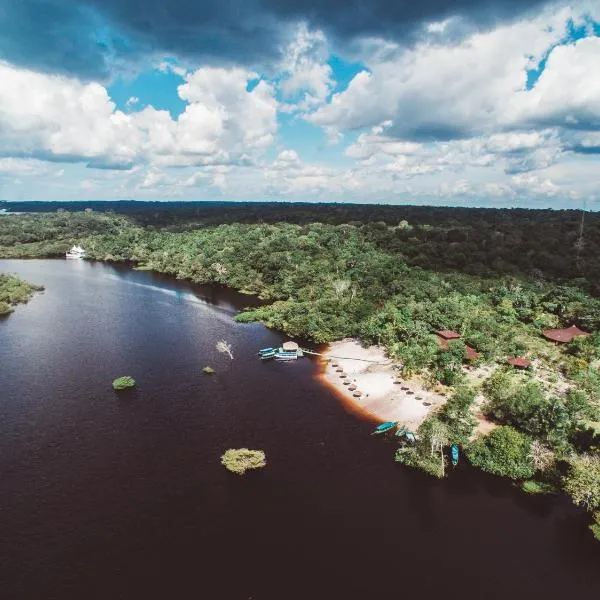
[(385, 427), (454, 454)]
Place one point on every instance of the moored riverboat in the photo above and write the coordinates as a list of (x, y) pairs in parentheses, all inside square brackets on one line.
[(75, 253), (287, 351)]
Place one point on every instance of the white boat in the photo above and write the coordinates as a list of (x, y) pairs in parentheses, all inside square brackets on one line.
[(76, 253), (281, 354)]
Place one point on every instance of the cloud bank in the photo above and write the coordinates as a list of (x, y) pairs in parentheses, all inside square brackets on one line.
[(88, 38), (468, 102)]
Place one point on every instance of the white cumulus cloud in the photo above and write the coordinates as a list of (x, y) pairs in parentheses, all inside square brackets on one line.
[(306, 79), (57, 118)]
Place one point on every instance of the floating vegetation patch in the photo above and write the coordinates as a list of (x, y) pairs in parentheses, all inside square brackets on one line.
[(530, 486), (241, 460), (123, 383)]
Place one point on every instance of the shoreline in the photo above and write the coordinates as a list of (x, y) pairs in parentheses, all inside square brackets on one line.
[(384, 394)]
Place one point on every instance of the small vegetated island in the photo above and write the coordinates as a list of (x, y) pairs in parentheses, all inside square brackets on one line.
[(123, 383), (15, 291), (240, 460), (487, 308)]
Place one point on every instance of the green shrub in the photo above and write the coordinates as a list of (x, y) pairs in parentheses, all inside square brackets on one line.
[(448, 376), (420, 458), (456, 414), (527, 408), (589, 381), (586, 348), (595, 527), (428, 453), (241, 460), (582, 481), (15, 291), (5, 308), (505, 451), (123, 383), (515, 404), (579, 406), (537, 487), (498, 387)]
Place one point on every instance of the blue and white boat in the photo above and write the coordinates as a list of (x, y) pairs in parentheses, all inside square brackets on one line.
[(454, 454), (385, 427), (283, 355)]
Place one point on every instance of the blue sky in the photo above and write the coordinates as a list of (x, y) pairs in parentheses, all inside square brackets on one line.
[(157, 88), (381, 102)]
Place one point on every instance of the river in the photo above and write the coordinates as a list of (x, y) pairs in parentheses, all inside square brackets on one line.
[(108, 497)]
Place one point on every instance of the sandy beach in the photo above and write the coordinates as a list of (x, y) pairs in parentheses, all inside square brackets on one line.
[(384, 395)]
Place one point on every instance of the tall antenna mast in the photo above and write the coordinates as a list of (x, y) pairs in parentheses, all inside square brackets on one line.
[(580, 243)]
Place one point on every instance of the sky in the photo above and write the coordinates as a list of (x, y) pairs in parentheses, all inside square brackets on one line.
[(464, 102)]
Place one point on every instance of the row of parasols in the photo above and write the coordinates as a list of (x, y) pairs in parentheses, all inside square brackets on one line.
[(344, 376)]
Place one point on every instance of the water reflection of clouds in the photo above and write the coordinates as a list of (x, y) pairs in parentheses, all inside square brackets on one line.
[(180, 295), (76, 265)]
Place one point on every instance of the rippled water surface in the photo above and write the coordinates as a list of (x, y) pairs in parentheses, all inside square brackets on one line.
[(105, 497)]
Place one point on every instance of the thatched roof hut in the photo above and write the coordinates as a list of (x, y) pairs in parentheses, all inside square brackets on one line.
[(563, 336), (446, 334), (519, 362), (471, 353), (290, 347)]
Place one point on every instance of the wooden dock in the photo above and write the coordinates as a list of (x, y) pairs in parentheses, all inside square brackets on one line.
[(346, 357)]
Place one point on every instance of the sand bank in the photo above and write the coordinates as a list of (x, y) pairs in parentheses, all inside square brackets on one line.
[(385, 396)]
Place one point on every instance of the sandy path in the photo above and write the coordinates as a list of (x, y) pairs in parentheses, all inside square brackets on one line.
[(385, 397)]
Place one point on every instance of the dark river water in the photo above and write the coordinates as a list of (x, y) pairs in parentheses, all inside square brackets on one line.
[(108, 497)]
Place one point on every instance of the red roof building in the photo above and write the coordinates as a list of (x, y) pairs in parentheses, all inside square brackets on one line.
[(519, 362), (471, 353), (563, 336), (446, 334)]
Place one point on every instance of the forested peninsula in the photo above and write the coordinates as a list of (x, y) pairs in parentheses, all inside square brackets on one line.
[(395, 276), (14, 291)]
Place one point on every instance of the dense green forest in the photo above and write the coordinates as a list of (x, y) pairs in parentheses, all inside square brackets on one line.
[(14, 291), (476, 241), (395, 275)]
